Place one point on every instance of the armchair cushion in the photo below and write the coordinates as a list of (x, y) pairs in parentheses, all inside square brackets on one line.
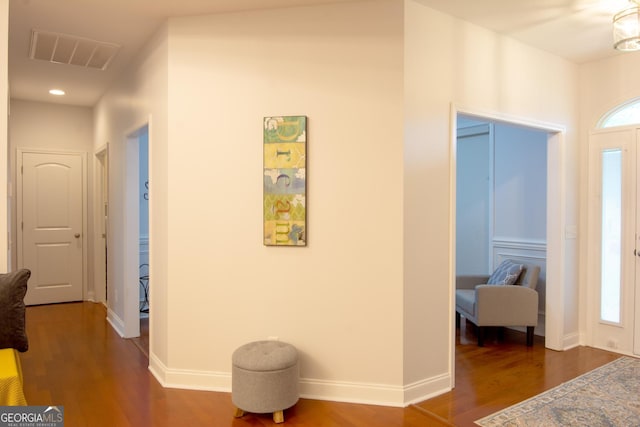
[(506, 274), (466, 300)]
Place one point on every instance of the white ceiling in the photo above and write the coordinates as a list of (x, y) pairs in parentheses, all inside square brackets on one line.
[(579, 30), (129, 23)]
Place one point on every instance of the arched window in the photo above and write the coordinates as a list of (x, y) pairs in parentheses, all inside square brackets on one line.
[(623, 115)]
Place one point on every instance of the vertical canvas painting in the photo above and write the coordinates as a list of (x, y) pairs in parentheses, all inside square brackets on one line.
[(285, 181)]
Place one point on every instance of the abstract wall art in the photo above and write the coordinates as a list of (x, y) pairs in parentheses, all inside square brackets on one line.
[(285, 180)]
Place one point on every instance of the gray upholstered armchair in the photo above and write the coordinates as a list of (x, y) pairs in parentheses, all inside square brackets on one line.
[(499, 305)]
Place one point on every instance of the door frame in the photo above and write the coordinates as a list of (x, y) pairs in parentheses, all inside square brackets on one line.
[(19, 214), (555, 337), (618, 337), (100, 184)]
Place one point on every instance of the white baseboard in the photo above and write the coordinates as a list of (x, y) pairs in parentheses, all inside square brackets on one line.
[(189, 379), (363, 393), (116, 322), (427, 388), (157, 368), (336, 391), (570, 341)]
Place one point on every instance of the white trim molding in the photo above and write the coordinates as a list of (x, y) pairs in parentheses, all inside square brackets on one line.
[(310, 388), (352, 392), (189, 379), (426, 389), (115, 321), (525, 245)]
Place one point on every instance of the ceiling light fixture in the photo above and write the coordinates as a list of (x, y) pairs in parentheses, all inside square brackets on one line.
[(626, 29), (57, 92)]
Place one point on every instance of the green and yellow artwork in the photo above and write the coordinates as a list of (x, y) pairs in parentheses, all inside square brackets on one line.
[(285, 180)]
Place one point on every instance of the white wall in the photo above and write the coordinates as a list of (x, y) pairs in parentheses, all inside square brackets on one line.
[(338, 300), (520, 205), (137, 98), (369, 301), (520, 184), (41, 125), (54, 127), (450, 61), (507, 170)]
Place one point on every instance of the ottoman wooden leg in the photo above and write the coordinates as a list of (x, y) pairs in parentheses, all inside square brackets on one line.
[(278, 417), (239, 413)]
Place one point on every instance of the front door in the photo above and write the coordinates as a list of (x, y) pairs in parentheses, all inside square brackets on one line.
[(51, 238), (613, 240)]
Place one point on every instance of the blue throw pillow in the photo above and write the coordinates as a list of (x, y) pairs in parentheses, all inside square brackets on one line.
[(506, 274)]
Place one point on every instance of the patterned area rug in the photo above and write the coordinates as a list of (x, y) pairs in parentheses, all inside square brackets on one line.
[(606, 396)]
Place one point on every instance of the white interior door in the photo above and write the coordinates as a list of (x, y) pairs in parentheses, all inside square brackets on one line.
[(50, 225), (612, 246)]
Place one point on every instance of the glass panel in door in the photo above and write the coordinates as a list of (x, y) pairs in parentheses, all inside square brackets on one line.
[(611, 237)]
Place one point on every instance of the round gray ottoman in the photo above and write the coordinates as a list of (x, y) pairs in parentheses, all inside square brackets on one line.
[(264, 378)]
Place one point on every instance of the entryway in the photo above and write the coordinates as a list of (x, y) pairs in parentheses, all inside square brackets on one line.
[(501, 200), (614, 240), (557, 232)]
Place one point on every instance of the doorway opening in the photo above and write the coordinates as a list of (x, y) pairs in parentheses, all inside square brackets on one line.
[(136, 230), (143, 143), (554, 233), (501, 192)]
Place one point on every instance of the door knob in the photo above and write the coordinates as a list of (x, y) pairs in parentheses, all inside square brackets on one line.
[(77, 235)]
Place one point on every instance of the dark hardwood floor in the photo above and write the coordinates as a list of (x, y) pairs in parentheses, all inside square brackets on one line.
[(505, 371), (142, 342), (76, 360)]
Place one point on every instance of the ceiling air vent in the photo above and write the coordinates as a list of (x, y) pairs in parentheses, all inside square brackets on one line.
[(72, 50)]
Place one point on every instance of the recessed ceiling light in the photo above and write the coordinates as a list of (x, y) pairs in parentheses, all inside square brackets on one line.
[(57, 92)]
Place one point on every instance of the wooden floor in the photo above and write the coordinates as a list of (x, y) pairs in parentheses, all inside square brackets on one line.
[(76, 360), (505, 372), (142, 342)]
